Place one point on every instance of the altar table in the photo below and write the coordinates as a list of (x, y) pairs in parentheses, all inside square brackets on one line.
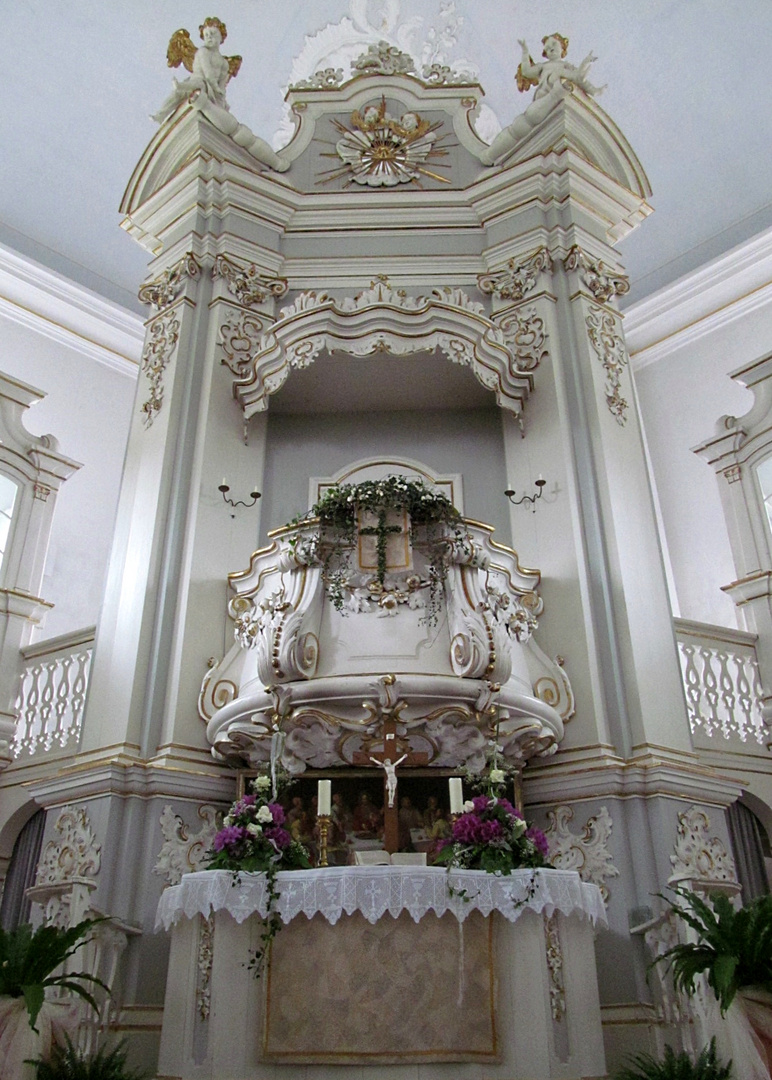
[(395, 971)]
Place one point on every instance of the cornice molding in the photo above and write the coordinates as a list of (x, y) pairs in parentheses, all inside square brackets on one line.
[(69, 314), (724, 290)]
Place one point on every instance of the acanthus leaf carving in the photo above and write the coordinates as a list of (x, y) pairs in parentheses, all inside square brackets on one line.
[(183, 851), (164, 289), (162, 338), (328, 78), (555, 966), (381, 58), (241, 335), (697, 855), (516, 279), (246, 283), (438, 74), (610, 349), (76, 855), (601, 280), (586, 852)]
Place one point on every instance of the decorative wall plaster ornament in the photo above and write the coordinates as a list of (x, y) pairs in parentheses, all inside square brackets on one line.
[(600, 279), (441, 75), (205, 89), (182, 851), (164, 289), (511, 613), (733, 474), (553, 79), (326, 79), (241, 334), (381, 150), (246, 283), (587, 852), (205, 960), (698, 856), (161, 340), (555, 967), (76, 855), (381, 58), (214, 695), (41, 492), (517, 278), (526, 336), (610, 348)]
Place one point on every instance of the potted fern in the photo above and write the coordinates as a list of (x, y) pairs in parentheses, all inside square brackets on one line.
[(734, 951), (66, 1063), (677, 1066), (31, 961)]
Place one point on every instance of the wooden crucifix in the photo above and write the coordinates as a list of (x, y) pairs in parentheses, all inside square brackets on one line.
[(388, 759)]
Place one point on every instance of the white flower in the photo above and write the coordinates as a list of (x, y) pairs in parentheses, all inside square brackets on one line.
[(255, 830), (519, 827), (497, 776), (262, 783), (228, 819), (468, 806), (264, 815)]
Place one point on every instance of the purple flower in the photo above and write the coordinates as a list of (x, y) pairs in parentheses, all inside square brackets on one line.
[(279, 837), (480, 803), (508, 808), (228, 836), (539, 840), (488, 831), (242, 805), (277, 813)]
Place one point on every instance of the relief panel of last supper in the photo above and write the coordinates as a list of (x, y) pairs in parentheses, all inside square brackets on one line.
[(386, 331)]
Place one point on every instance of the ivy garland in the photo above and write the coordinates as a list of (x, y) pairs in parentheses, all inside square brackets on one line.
[(435, 524)]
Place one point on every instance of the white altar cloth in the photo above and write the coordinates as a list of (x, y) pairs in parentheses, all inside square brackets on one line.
[(375, 890)]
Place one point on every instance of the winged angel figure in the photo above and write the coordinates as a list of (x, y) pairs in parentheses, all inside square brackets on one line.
[(205, 89), (553, 79)]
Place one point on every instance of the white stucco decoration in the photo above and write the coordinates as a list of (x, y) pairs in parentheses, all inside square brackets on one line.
[(76, 855), (697, 855), (183, 851), (338, 46), (380, 319), (587, 852)]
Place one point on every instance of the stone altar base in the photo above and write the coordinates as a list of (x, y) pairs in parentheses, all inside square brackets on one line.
[(369, 998)]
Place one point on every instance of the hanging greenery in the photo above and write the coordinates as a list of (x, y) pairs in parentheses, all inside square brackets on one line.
[(436, 527)]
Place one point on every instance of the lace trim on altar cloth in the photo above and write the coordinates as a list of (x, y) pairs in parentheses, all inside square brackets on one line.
[(375, 890)]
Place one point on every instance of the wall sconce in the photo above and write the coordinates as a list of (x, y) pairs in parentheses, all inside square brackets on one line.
[(540, 482), (223, 488)]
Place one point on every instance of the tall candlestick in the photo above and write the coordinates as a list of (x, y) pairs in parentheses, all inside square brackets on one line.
[(456, 789), (324, 798)]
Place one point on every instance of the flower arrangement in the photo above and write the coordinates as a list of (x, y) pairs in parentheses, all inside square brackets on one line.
[(491, 834), (253, 839), (339, 514)]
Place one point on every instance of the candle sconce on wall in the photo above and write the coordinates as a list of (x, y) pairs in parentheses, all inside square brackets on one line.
[(224, 488), (540, 483)]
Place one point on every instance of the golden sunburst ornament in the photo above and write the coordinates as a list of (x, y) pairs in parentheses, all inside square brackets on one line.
[(380, 150)]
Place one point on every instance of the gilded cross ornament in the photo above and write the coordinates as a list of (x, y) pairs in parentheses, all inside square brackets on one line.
[(246, 283), (610, 349), (516, 279), (381, 150), (601, 280)]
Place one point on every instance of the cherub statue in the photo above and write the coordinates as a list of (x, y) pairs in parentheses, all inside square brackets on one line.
[(205, 89), (211, 71), (553, 79)]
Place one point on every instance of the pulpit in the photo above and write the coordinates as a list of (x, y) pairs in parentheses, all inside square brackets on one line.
[(433, 975)]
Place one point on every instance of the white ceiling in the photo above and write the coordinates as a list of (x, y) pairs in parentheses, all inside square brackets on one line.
[(688, 83)]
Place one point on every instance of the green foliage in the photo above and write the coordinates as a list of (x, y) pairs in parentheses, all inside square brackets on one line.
[(28, 960), (734, 947), (677, 1066), (440, 529), (66, 1063)]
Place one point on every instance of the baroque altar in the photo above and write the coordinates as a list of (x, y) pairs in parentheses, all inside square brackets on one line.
[(447, 957)]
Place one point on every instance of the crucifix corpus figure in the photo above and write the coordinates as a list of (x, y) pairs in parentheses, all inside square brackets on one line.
[(391, 775)]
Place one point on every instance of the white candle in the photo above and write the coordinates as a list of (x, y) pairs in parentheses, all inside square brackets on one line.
[(223, 482), (455, 785), (324, 798)]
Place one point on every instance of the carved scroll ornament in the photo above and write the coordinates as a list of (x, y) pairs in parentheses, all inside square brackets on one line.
[(516, 279), (76, 855), (586, 852), (246, 283), (162, 338), (164, 289), (610, 349), (601, 280), (697, 855)]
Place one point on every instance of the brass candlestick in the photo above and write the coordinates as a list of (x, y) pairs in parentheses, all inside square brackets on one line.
[(324, 825)]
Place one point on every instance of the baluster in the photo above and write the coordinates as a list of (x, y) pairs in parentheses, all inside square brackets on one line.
[(757, 691), (710, 691), (78, 695), (31, 715), (47, 704), (691, 685), (61, 733), (745, 701), (728, 696)]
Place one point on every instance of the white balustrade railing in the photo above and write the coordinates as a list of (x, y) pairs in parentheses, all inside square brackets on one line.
[(52, 693), (722, 686)]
